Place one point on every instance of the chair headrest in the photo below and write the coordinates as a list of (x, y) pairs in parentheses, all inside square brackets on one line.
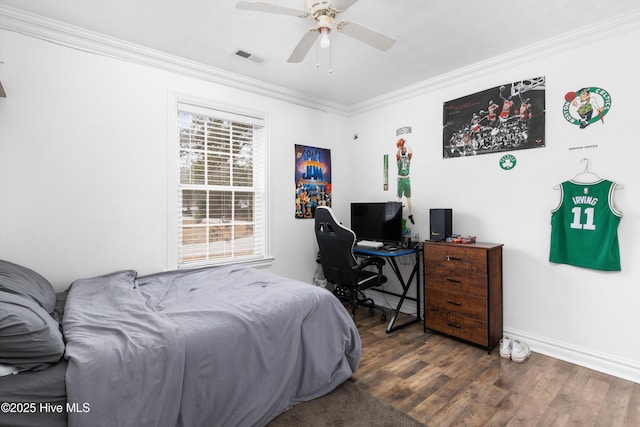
[(325, 214)]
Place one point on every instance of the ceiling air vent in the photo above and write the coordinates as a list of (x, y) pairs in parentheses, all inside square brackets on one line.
[(246, 55)]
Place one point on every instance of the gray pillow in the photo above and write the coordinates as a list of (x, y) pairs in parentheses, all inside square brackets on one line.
[(29, 337), (20, 280)]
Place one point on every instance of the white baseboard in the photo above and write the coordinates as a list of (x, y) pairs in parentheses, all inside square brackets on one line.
[(391, 302), (612, 365)]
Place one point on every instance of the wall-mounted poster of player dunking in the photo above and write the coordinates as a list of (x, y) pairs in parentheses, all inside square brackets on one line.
[(504, 118), (313, 180)]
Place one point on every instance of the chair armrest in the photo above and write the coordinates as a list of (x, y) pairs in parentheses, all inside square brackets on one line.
[(374, 260)]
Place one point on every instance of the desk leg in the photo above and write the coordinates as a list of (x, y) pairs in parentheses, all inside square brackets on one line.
[(405, 286)]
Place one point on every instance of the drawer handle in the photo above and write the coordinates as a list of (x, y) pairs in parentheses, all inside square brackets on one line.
[(453, 302), (455, 325), (452, 258), (453, 280)]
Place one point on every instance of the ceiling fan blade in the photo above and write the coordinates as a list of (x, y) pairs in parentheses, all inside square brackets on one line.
[(366, 35), (259, 6), (303, 46), (342, 5)]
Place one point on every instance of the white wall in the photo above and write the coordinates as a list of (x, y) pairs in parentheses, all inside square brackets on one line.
[(83, 162), (581, 315), (83, 179)]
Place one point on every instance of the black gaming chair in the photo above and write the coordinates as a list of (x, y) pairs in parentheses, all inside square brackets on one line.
[(340, 266)]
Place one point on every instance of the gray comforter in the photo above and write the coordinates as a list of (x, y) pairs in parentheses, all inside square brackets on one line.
[(222, 346)]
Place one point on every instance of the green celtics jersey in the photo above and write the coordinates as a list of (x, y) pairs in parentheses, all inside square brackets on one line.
[(404, 162), (584, 226)]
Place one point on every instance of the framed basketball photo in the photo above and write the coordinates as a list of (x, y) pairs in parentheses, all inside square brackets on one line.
[(504, 118)]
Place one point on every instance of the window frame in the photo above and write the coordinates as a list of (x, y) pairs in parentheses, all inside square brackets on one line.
[(173, 179)]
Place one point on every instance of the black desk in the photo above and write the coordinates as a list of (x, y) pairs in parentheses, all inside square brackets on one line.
[(391, 256)]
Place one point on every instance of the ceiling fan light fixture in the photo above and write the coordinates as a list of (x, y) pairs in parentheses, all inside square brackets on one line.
[(324, 13), (325, 39)]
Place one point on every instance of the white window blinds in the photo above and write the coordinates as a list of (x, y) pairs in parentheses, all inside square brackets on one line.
[(221, 189)]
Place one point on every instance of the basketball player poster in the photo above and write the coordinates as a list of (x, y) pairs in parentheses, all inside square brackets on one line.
[(404, 155), (504, 118), (313, 179)]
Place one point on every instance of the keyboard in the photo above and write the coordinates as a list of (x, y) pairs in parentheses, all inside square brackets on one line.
[(369, 244)]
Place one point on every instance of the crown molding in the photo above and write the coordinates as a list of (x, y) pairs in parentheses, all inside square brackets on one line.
[(53, 31), (579, 38), (74, 37)]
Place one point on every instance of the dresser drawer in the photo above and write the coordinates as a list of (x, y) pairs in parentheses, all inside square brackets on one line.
[(466, 283), (446, 260), (457, 326), (458, 304)]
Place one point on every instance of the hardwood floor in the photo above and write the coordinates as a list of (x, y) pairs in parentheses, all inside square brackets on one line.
[(440, 381)]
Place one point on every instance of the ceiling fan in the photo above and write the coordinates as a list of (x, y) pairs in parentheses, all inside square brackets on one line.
[(324, 12)]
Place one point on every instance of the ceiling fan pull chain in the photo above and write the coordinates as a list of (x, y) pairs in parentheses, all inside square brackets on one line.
[(330, 65)]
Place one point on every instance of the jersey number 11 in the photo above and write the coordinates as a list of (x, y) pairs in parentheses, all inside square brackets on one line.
[(577, 217)]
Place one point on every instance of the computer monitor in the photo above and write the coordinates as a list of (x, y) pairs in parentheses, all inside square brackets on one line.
[(377, 221)]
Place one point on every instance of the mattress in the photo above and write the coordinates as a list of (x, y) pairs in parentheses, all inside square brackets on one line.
[(36, 398)]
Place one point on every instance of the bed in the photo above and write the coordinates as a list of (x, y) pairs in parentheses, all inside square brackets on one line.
[(217, 346)]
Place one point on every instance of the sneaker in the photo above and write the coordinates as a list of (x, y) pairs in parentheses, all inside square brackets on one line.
[(520, 351), (505, 347)]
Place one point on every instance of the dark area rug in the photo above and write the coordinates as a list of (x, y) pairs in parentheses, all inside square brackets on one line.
[(347, 405)]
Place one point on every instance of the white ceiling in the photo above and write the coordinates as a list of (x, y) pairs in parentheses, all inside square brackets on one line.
[(434, 37)]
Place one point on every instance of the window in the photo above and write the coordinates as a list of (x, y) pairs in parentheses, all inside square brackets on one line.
[(221, 197)]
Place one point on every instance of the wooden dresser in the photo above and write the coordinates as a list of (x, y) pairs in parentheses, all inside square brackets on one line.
[(463, 291)]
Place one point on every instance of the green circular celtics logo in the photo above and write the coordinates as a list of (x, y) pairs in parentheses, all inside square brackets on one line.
[(508, 162), (586, 106)]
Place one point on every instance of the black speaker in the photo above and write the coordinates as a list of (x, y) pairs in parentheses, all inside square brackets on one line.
[(440, 223)]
